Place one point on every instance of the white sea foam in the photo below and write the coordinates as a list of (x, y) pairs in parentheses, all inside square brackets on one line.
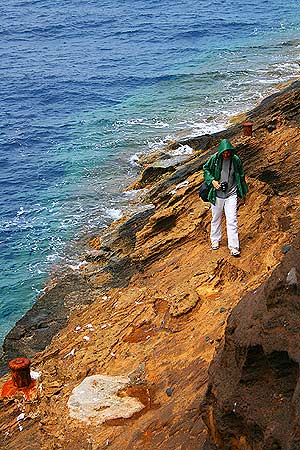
[(135, 121), (155, 123), (160, 143), (159, 125), (134, 160), (21, 211), (114, 213), (182, 150), (197, 129), (54, 257), (134, 194), (76, 267)]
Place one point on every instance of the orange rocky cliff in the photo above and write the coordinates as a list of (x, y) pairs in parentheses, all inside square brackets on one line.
[(138, 327)]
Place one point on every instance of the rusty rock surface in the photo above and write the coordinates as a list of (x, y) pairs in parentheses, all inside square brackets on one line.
[(151, 300)]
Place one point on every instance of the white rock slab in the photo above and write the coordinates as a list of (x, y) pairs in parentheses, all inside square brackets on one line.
[(95, 399)]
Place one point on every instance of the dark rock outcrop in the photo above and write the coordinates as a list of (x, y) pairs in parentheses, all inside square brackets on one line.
[(253, 398), (154, 172), (49, 314)]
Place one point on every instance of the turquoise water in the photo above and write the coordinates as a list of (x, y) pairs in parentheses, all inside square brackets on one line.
[(87, 86)]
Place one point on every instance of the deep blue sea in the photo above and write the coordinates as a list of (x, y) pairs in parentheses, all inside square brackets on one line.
[(86, 85)]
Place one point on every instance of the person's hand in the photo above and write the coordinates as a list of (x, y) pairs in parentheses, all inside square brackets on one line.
[(216, 184)]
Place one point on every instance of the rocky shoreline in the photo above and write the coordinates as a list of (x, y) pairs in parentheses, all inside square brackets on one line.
[(157, 301), (49, 314)]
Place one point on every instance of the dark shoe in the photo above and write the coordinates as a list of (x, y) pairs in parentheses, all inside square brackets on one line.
[(235, 252)]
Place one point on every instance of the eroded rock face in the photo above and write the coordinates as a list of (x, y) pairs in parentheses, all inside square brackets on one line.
[(253, 399)]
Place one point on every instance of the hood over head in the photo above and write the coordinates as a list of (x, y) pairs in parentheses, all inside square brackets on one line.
[(225, 144)]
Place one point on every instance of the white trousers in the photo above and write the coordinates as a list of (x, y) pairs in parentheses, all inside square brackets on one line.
[(229, 205)]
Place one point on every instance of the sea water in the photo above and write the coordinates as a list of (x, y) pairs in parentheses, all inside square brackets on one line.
[(88, 85)]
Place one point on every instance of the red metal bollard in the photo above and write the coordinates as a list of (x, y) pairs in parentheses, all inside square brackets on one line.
[(247, 128), (20, 372), (21, 380)]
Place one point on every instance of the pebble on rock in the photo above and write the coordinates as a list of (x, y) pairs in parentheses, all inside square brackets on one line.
[(169, 391), (286, 248)]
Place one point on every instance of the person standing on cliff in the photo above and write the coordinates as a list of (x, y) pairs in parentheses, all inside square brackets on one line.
[(224, 174)]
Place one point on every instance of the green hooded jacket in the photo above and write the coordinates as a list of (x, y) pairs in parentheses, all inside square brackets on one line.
[(212, 171)]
